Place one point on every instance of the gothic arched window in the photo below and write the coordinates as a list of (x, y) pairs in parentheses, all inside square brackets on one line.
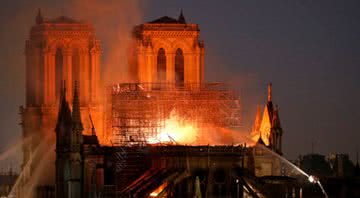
[(161, 65), (58, 72), (179, 68)]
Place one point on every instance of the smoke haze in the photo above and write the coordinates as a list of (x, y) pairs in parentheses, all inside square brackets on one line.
[(308, 49), (112, 19)]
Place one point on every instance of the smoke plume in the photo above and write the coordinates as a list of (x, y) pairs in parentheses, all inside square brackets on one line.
[(113, 20)]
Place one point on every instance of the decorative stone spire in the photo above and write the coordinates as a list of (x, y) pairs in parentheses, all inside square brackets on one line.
[(269, 92), (181, 18), (76, 116), (276, 119), (64, 121), (39, 17)]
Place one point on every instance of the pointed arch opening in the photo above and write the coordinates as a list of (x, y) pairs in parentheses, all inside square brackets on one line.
[(58, 71), (179, 68), (161, 65)]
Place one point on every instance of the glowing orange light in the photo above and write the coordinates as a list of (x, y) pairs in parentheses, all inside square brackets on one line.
[(179, 130), (176, 129), (157, 191), (264, 129)]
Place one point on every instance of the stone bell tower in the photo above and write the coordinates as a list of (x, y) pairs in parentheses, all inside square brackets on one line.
[(168, 51), (57, 51)]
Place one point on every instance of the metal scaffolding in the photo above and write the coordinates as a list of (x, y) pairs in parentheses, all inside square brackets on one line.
[(138, 111)]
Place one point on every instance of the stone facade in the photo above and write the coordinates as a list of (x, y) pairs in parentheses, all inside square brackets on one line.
[(62, 50), (168, 51), (58, 53), (62, 53)]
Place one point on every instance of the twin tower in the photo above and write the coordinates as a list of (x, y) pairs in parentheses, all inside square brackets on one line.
[(167, 51), (164, 51)]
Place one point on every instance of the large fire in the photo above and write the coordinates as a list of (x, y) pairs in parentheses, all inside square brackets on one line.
[(262, 127), (176, 130)]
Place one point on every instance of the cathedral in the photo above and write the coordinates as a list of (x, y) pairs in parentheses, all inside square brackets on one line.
[(153, 137)]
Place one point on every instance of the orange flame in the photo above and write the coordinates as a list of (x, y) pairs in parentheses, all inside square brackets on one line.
[(262, 128), (176, 130), (179, 130)]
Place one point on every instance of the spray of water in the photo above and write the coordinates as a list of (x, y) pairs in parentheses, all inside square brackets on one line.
[(35, 179), (293, 166), (16, 187), (284, 160), (23, 182), (322, 189), (14, 148)]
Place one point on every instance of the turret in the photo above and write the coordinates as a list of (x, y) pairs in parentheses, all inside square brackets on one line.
[(69, 163), (181, 18), (63, 133), (276, 132), (39, 18), (77, 126), (64, 123), (76, 162)]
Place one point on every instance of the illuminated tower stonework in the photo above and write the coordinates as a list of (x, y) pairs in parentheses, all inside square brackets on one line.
[(168, 51), (58, 53)]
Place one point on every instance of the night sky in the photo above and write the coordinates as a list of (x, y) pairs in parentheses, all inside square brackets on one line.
[(308, 49)]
